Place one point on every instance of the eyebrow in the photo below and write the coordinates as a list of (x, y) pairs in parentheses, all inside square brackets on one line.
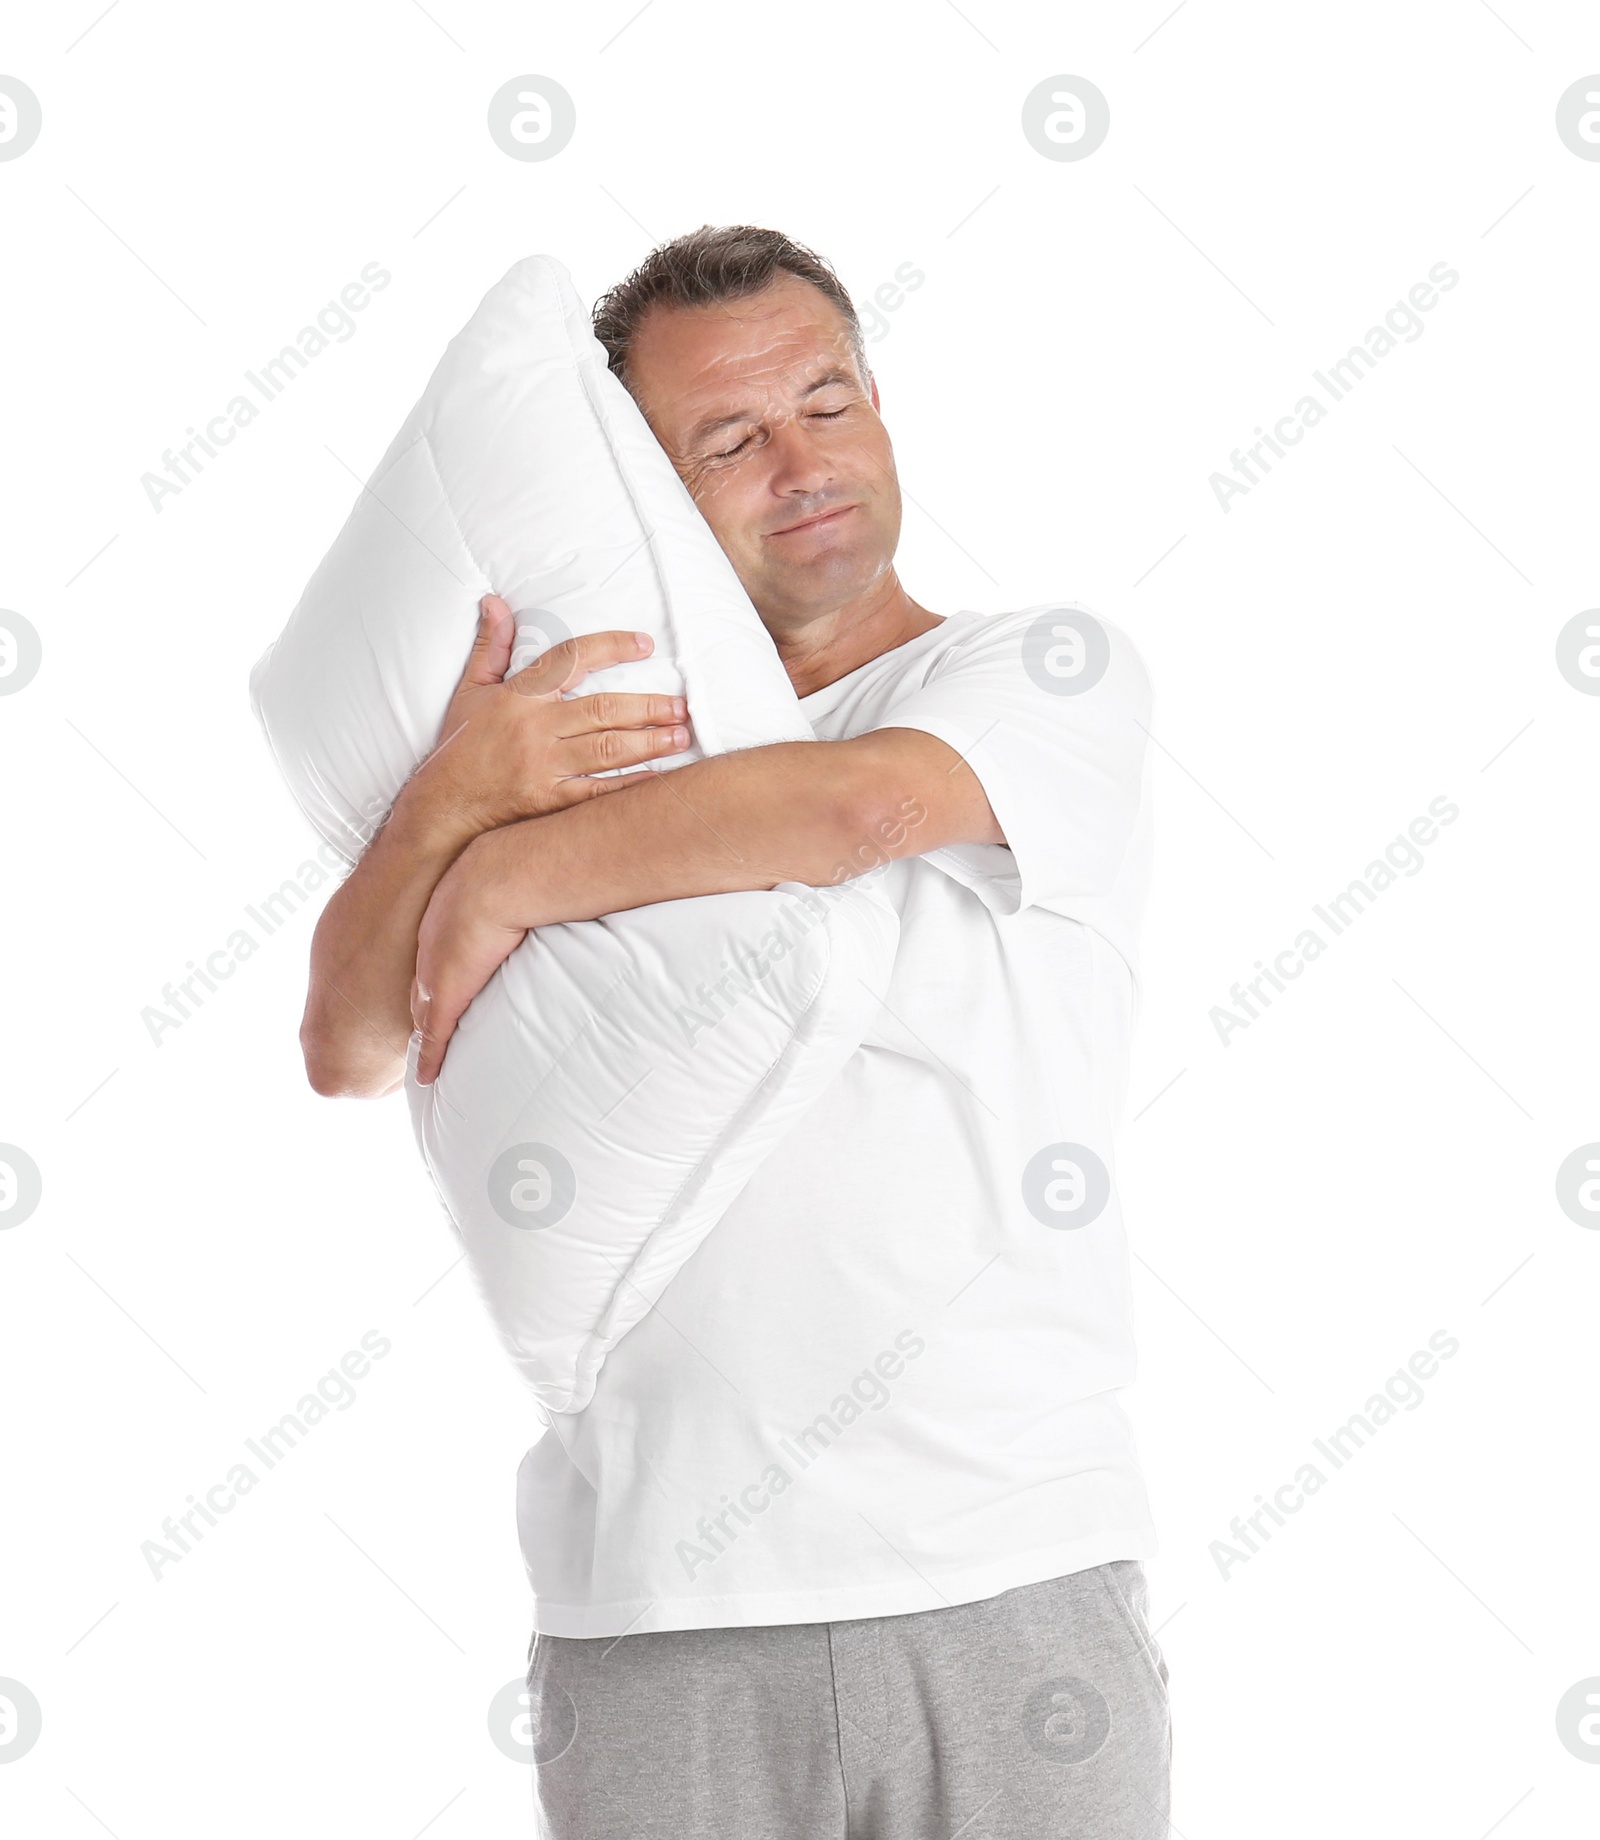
[(714, 424)]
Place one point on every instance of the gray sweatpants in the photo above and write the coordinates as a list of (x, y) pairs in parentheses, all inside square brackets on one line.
[(1040, 1714)]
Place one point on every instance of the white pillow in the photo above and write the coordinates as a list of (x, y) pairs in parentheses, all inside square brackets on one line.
[(631, 1065)]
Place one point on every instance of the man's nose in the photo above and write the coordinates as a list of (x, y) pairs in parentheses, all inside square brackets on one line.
[(797, 462)]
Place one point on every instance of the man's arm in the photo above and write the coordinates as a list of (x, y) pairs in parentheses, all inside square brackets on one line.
[(356, 1025), (818, 812)]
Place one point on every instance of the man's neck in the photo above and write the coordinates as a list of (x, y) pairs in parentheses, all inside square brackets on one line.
[(821, 649)]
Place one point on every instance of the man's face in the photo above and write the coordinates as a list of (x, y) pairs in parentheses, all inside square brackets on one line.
[(763, 411)]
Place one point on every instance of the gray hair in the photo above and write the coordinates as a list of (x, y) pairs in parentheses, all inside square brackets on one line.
[(710, 265)]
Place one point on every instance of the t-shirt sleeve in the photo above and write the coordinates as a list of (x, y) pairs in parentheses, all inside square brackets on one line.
[(1051, 709)]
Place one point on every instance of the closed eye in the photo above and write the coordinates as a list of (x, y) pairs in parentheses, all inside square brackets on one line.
[(816, 415)]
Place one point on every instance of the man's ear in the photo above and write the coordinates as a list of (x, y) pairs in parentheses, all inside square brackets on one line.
[(874, 382)]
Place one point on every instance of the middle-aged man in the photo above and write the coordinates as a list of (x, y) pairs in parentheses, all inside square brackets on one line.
[(847, 1544)]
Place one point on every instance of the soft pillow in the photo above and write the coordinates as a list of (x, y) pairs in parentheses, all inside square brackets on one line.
[(618, 1081)]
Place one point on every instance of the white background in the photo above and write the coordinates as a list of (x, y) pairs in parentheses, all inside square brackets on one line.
[(1371, 627)]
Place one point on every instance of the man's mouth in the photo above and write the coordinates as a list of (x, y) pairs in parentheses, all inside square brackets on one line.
[(818, 522)]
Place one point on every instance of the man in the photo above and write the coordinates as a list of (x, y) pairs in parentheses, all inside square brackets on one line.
[(847, 1543)]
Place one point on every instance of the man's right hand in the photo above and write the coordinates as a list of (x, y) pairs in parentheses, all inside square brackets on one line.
[(514, 748), (507, 751)]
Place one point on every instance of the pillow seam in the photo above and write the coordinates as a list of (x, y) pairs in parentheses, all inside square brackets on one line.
[(589, 376)]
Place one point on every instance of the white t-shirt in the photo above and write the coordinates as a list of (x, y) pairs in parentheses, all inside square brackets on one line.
[(887, 1381)]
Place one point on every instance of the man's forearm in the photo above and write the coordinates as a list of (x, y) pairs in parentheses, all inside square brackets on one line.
[(357, 1022), (813, 812)]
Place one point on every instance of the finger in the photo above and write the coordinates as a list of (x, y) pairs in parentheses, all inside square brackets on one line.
[(491, 643), (419, 1015), (436, 1014), (576, 790), (611, 709), (566, 665), (607, 748)]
